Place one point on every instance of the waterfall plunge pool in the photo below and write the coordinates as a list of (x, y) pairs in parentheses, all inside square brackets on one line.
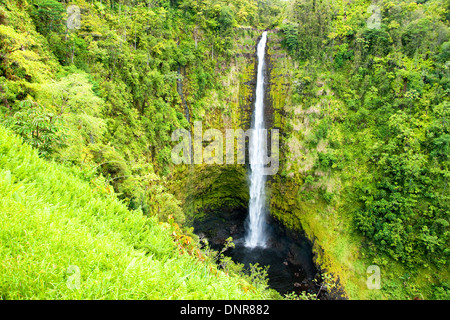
[(288, 255)]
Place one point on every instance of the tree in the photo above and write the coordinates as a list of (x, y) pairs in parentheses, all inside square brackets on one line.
[(47, 16), (42, 130)]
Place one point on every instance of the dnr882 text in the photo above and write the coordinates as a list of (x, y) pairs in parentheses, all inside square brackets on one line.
[(246, 309)]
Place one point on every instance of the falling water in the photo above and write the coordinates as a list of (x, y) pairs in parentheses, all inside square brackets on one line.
[(256, 235)]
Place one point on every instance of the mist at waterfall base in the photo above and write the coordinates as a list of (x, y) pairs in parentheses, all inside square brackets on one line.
[(288, 255), (290, 262)]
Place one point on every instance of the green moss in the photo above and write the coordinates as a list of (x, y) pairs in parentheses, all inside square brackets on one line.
[(208, 188)]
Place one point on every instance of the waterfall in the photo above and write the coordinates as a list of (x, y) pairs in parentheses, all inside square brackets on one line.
[(256, 235)]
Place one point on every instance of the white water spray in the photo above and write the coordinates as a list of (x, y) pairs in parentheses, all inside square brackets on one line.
[(256, 235)]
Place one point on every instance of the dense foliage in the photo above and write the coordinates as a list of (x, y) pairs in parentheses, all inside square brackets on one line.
[(370, 84), (100, 94), (111, 87), (375, 78)]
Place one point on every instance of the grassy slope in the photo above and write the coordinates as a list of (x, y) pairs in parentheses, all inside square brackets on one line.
[(52, 219)]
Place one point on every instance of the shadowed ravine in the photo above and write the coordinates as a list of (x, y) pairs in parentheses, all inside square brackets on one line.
[(257, 237), (289, 255)]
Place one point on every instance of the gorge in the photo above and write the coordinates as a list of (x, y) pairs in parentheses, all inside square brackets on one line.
[(355, 93), (260, 240)]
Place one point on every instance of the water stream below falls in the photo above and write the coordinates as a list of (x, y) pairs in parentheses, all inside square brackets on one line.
[(288, 255)]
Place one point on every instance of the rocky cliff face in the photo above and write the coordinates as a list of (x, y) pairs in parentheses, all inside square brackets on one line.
[(216, 196)]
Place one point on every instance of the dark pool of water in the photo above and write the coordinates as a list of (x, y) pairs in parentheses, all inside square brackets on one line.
[(288, 255), (284, 275)]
